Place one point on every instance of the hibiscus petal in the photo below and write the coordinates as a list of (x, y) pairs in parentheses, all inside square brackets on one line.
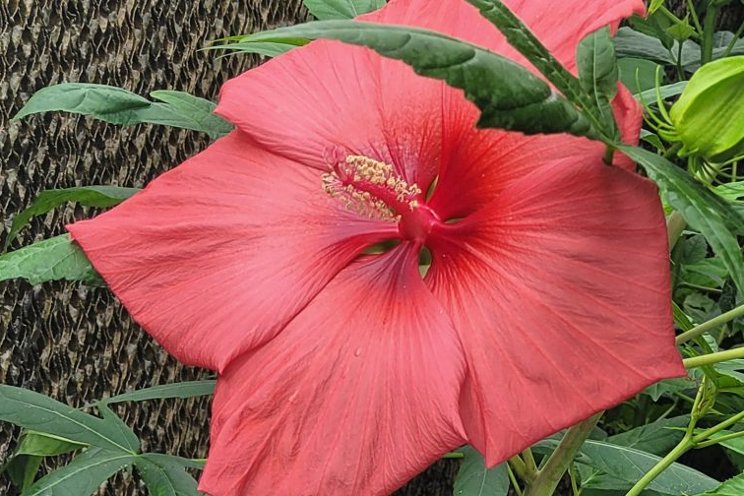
[(560, 292), (356, 395), (478, 164), (217, 254)]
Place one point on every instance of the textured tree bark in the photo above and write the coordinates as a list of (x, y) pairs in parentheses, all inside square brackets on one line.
[(73, 342)]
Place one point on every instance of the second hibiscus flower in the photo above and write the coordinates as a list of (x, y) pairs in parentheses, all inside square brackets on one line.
[(343, 372)]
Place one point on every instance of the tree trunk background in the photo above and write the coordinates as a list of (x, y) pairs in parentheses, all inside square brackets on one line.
[(76, 343)]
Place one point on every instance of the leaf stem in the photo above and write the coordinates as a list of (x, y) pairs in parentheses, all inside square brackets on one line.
[(703, 436), (695, 18), (709, 29), (733, 41), (710, 324), (713, 358), (716, 440), (513, 479), (550, 475), (684, 446)]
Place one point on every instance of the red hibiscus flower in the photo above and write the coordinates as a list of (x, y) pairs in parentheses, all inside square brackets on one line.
[(346, 372)]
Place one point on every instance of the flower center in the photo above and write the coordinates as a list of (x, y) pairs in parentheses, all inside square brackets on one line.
[(373, 189)]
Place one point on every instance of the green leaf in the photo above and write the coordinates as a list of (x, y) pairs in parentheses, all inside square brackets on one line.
[(669, 388), (638, 75), (704, 210), (83, 475), (22, 470), (731, 191), (326, 10), (598, 72), (508, 95), (264, 48), (89, 196), (667, 91), (40, 413), (177, 390), (164, 477), (41, 444), (119, 106), (657, 438), (191, 112), (655, 5), (131, 441), (52, 259), (627, 465), (731, 487), (474, 479)]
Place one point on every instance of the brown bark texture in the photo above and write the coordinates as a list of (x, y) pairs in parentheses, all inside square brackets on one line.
[(73, 342)]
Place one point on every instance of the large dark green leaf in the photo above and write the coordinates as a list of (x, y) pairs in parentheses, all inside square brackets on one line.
[(326, 10), (40, 413), (474, 479), (508, 95), (704, 210), (83, 475), (657, 438), (119, 106), (33, 447), (625, 466), (164, 477), (52, 259), (632, 43), (89, 196), (177, 390)]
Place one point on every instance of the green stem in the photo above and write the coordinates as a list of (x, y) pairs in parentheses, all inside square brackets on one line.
[(710, 324), (530, 464), (709, 30), (713, 358), (703, 436), (551, 474), (695, 18), (720, 439), (684, 446), (456, 455), (514, 482), (519, 467), (733, 41)]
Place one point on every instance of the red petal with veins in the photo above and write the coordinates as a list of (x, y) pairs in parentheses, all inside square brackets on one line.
[(358, 394), (327, 97), (560, 292), (215, 256)]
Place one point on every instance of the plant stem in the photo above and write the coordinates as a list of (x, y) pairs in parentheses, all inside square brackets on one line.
[(695, 18), (716, 440), (709, 29), (519, 467), (530, 464), (710, 324), (713, 358), (514, 482), (731, 44), (685, 445), (718, 427), (550, 475), (456, 455)]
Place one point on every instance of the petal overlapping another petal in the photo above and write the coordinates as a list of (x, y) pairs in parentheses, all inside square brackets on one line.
[(215, 256), (560, 292), (356, 395)]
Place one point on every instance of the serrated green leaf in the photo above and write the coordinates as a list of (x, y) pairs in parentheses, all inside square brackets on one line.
[(88, 196), (53, 259), (326, 10), (474, 479), (178, 390), (119, 106), (525, 42), (731, 487), (704, 210), (83, 475), (165, 478), (508, 95), (40, 413), (629, 465), (598, 72)]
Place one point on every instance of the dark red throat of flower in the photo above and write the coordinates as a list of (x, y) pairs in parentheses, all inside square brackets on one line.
[(373, 189)]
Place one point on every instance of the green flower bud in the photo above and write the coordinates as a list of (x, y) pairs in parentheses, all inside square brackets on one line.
[(708, 118)]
